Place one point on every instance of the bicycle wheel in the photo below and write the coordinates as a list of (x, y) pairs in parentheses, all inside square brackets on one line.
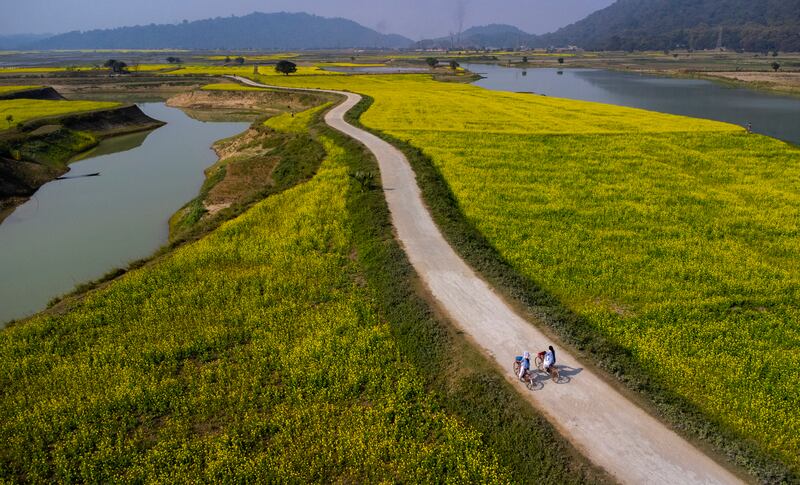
[(532, 383), (555, 375), (538, 362), (516, 367)]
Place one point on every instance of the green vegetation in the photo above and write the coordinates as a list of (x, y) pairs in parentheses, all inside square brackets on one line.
[(663, 246), (752, 25), (268, 351), (286, 67), (23, 110)]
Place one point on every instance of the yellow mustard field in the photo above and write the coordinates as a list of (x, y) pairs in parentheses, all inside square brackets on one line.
[(675, 238)]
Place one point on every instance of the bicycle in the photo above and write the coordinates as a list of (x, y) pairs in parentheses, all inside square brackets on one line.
[(553, 372), (528, 378)]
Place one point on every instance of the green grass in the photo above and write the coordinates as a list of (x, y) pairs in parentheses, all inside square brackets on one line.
[(22, 110)]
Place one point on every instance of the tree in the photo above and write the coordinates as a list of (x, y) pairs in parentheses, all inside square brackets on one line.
[(239, 60), (774, 53), (227, 59), (525, 60), (10, 120), (432, 62), (286, 67), (115, 66), (775, 66), (454, 65), (174, 60), (561, 60)]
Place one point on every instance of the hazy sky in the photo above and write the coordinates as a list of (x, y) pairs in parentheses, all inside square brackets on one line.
[(414, 18)]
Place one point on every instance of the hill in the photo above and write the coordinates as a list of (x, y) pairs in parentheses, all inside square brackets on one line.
[(16, 41), (752, 25), (493, 35), (284, 31)]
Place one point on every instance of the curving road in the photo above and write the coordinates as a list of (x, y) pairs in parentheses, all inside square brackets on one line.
[(610, 430)]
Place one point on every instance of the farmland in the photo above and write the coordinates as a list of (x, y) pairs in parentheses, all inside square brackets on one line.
[(21, 110), (674, 239)]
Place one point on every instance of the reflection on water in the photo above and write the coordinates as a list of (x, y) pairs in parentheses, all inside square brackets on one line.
[(76, 230), (773, 115), (117, 144)]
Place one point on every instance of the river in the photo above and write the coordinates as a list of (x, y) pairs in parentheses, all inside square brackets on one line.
[(772, 115), (74, 231)]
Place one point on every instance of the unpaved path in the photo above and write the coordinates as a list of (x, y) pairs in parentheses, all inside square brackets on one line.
[(610, 430)]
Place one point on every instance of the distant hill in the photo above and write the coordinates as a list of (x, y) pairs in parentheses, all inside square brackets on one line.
[(18, 41), (280, 31), (753, 25), (493, 35)]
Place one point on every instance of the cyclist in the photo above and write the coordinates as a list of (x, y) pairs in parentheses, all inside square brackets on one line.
[(549, 358), (525, 365)]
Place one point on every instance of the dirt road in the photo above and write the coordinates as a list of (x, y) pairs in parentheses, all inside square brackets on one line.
[(610, 430)]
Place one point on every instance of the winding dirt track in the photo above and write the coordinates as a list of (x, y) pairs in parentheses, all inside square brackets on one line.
[(610, 430)]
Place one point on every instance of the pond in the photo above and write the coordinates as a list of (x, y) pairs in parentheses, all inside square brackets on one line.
[(773, 115), (76, 230)]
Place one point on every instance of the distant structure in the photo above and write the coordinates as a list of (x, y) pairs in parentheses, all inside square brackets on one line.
[(719, 39)]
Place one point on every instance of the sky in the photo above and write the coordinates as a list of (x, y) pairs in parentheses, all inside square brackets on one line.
[(417, 19)]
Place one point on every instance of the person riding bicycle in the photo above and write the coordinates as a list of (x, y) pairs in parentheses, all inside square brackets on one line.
[(525, 365), (549, 358)]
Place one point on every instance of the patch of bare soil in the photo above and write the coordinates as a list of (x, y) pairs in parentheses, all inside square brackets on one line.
[(787, 81), (243, 177), (267, 102)]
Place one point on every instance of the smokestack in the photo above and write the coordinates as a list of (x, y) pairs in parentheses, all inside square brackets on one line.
[(461, 13)]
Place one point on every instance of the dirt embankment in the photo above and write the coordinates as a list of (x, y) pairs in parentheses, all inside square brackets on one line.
[(778, 81), (102, 123), (265, 102), (45, 93)]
